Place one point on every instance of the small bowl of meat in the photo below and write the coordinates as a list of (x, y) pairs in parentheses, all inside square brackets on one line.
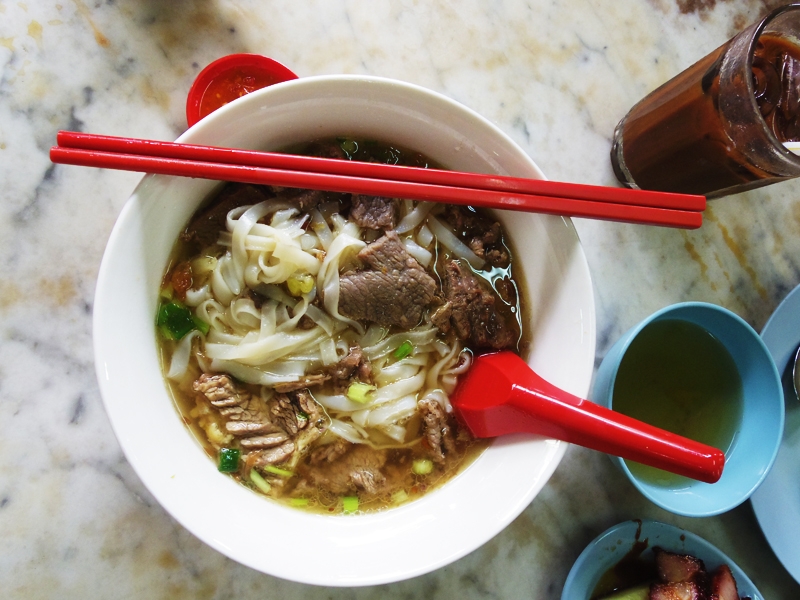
[(293, 351), (649, 560)]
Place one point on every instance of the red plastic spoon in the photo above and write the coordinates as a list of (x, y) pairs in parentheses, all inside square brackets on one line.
[(500, 394)]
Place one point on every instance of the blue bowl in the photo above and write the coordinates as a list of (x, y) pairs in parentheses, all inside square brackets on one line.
[(611, 546), (758, 436)]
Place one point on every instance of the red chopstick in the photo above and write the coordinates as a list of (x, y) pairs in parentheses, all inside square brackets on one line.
[(493, 191)]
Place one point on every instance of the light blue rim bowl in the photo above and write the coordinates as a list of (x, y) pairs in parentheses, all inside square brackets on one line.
[(757, 440), (607, 549)]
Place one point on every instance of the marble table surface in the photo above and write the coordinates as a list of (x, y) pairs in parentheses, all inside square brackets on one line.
[(75, 520)]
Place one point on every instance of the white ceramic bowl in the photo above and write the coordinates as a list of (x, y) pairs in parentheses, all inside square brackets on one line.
[(351, 550)]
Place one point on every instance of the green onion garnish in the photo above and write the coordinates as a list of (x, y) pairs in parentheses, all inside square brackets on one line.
[(277, 471), (399, 497), (422, 466), (299, 501), (350, 504), (229, 460), (403, 350), (359, 392), (260, 482), (175, 320), (200, 325), (300, 284)]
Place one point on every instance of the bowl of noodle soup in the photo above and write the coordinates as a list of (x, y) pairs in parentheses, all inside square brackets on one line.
[(371, 546)]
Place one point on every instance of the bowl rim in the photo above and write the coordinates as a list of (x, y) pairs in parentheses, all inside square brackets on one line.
[(662, 499), (102, 343)]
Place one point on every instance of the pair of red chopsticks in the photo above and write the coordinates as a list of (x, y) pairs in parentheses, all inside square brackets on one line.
[(489, 191)]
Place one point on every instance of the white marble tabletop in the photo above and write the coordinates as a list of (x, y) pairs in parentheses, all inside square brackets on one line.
[(75, 521)]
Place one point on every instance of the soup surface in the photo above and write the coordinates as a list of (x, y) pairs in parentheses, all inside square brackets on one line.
[(679, 377), (311, 339)]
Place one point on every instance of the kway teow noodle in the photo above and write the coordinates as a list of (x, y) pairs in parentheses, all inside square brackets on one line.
[(311, 339)]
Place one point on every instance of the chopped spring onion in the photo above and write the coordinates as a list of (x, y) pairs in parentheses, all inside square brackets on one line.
[(403, 350), (277, 471), (359, 392), (229, 460), (399, 497), (167, 293), (422, 466), (300, 284), (299, 501), (350, 504), (175, 320), (200, 325), (259, 481)]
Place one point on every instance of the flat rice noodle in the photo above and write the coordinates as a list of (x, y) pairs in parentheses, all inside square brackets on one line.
[(391, 412), (328, 276), (338, 402), (415, 217), (449, 240), (417, 337), (196, 297), (321, 318), (424, 236), (181, 355), (450, 360), (396, 432), (267, 349), (220, 285), (328, 352), (268, 375), (348, 431), (320, 227), (398, 389), (422, 256), (374, 334)]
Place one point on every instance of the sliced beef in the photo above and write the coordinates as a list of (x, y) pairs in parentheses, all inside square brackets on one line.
[(484, 236), (437, 429), (294, 410), (245, 414), (329, 452), (304, 199), (471, 311), (395, 292), (374, 212), (270, 433), (204, 228), (358, 470), (440, 317), (270, 456), (264, 441), (354, 365)]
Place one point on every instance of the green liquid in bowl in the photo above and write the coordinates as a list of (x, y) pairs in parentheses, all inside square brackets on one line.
[(677, 376)]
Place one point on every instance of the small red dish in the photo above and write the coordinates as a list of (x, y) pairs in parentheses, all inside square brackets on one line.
[(229, 78)]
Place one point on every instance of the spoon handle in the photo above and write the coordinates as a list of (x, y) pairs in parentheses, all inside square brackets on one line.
[(547, 410)]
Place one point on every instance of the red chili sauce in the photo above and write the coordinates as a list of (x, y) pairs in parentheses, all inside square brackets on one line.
[(234, 84)]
